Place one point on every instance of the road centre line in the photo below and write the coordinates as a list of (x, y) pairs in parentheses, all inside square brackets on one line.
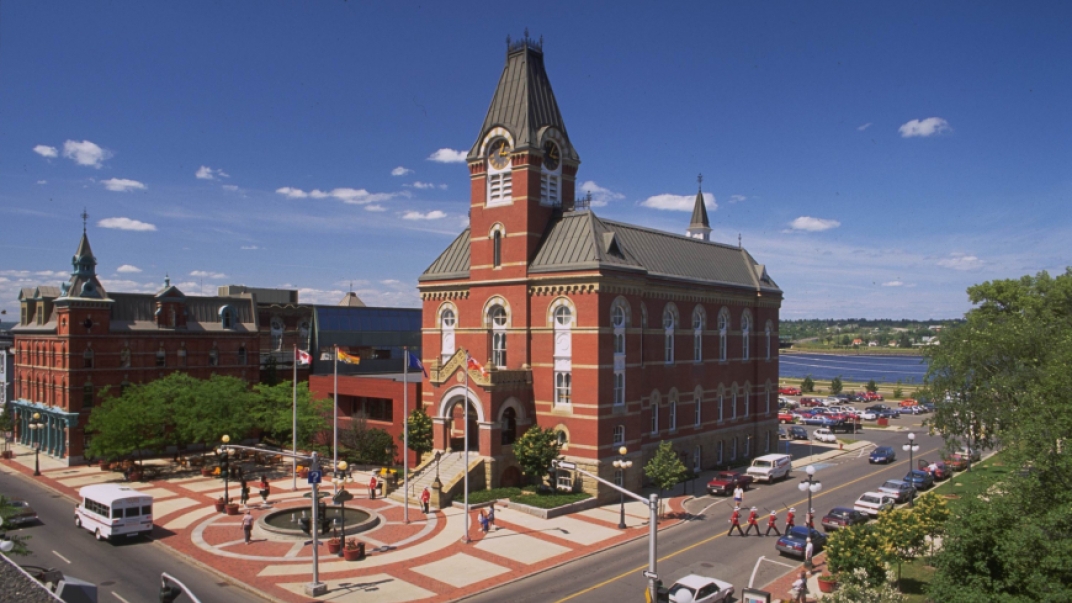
[(61, 557), (716, 537), (116, 595)]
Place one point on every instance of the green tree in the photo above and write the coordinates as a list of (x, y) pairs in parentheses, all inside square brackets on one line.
[(933, 513), (420, 432), (367, 445), (665, 469), (904, 341), (807, 386), (898, 391), (857, 547), (220, 406), (535, 450), (855, 587), (836, 385), (127, 424), (7, 510), (871, 386), (273, 409), (846, 340), (903, 534)]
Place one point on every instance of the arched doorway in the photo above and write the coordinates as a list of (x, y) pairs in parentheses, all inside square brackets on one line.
[(509, 426), (456, 426)]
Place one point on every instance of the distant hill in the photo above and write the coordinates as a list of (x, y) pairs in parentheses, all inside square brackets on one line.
[(862, 332)]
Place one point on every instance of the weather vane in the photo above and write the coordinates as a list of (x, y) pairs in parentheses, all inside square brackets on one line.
[(85, 217), (699, 181)]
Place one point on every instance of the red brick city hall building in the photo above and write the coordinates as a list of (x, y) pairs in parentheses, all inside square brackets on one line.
[(610, 333)]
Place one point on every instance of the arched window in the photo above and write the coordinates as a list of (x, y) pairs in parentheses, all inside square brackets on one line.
[(87, 358), (242, 354), (697, 334), (697, 458), (654, 413), (619, 388), (673, 411), (698, 406), (767, 333), (563, 319), (619, 434), (733, 407), (617, 321), (500, 182), (746, 332), (747, 446), (719, 450), (509, 426), (747, 399), (562, 438), (723, 333), (161, 357), (496, 240), (669, 324), (497, 320), (227, 317), (214, 356), (447, 321), (275, 328), (721, 404)]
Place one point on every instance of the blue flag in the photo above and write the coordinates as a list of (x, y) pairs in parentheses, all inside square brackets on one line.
[(415, 363)]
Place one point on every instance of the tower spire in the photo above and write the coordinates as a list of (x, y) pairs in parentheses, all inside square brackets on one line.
[(699, 227), (85, 217)]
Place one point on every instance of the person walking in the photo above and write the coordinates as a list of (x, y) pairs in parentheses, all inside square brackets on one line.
[(244, 489), (266, 490), (772, 523), (491, 516), (735, 522), (800, 588), (483, 521), (809, 519), (372, 488), (738, 496), (247, 525), (809, 550), (426, 497), (752, 523), (789, 517)]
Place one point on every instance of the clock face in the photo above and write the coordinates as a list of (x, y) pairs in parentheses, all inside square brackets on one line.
[(499, 154), (550, 156)]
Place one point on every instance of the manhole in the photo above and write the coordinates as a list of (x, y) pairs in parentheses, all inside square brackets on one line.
[(108, 583)]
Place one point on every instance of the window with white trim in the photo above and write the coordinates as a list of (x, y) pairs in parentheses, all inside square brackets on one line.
[(673, 412), (654, 414), (698, 406), (721, 406), (447, 322), (619, 387), (669, 323), (563, 354), (733, 407), (733, 449), (617, 322), (497, 319), (746, 332), (496, 249), (719, 450), (563, 387), (619, 434), (747, 399), (723, 333), (697, 334), (500, 187), (747, 446), (549, 190), (768, 336)]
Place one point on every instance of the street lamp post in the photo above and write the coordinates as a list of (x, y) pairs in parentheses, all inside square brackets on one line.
[(339, 480), (911, 447), (622, 464), (810, 486), (35, 431), (225, 467)]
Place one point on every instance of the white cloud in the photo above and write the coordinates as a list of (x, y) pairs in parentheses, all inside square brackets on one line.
[(293, 193), (126, 224), (678, 202), (250, 247), (128, 268), (893, 284), (42, 181), (600, 196), (924, 128), (123, 185), (206, 274), (401, 171), (447, 156), (737, 198), (46, 151), (961, 261), (813, 224), (353, 196), (85, 153), (229, 187), (422, 185), (416, 215), (206, 173), (390, 281), (375, 207), (864, 127)]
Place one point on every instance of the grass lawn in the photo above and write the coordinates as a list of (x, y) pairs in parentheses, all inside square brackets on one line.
[(967, 484), (479, 496), (547, 500), (915, 575)]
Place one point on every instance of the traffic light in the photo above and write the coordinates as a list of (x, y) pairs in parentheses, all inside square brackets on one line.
[(169, 592)]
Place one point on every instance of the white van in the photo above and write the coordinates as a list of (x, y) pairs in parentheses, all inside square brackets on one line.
[(110, 510), (770, 467)]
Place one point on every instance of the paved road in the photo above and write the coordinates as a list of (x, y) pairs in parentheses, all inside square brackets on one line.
[(701, 546), (127, 572)]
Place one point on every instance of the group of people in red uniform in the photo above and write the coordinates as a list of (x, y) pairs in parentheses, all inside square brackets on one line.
[(772, 521)]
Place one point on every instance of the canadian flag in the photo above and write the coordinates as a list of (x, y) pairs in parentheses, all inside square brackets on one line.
[(473, 365), (302, 357)]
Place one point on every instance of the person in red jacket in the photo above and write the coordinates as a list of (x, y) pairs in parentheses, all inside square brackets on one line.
[(426, 496), (735, 521), (810, 519), (789, 517), (752, 523), (372, 488), (772, 523)]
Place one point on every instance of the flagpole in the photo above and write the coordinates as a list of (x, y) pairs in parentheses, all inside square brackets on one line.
[(335, 437), (294, 426), (405, 434), (465, 445)]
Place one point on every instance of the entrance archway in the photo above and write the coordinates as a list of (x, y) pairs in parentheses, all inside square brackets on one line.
[(456, 426)]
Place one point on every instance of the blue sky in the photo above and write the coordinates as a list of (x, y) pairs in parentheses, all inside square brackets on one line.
[(877, 158)]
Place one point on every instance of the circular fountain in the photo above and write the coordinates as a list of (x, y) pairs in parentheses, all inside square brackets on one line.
[(286, 524)]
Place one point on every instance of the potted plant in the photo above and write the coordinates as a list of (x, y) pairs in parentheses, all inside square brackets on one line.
[(334, 544), (354, 551), (232, 508), (220, 505), (206, 472), (828, 583)]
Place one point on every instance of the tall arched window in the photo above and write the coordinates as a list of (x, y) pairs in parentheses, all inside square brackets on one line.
[(767, 333), (563, 319), (655, 413), (619, 434), (721, 404), (500, 182), (719, 451), (447, 321), (669, 324), (673, 411), (242, 355), (733, 406), (617, 321), (697, 334), (496, 253), (723, 333), (643, 328), (87, 358), (747, 399), (509, 426), (746, 332), (497, 320), (767, 396), (697, 410)]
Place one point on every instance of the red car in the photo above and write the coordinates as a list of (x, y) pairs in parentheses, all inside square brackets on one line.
[(957, 461), (811, 402), (872, 397), (908, 403), (939, 471), (725, 482), (786, 417), (788, 391)]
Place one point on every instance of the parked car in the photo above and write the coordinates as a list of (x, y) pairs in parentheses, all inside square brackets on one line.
[(930, 407), (884, 411), (872, 397), (975, 455), (920, 480), (783, 433), (908, 403), (843, 517), (23, 515), (811, 402), (788, 391), (882, 454), (786, 417), (938, 469), (844, 397), (918, 409), (831, 401), (796, 432), (700, 589), (902, 490), (824, 435), (873, 503), (818, 419), (956, 461), (794, 541), (787, 403), (868, 415), (725, 482)]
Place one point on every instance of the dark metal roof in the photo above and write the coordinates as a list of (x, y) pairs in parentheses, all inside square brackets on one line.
[(453, 263), (523, 102), (581, 241)]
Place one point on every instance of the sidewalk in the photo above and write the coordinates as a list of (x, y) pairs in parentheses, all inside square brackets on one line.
[(425, 560)]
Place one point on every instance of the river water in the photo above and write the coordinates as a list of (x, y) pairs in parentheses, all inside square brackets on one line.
[(854, 367)]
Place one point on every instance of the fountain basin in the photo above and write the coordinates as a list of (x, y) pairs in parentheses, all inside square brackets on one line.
[(282, 524)]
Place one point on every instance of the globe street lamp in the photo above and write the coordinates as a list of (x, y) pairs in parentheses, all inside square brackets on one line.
[(339, 480), (35, 432), (911, 447), (621, 464), (225, 466), (810, 486)]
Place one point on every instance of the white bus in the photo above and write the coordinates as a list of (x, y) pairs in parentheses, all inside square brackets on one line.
[(110, 510)]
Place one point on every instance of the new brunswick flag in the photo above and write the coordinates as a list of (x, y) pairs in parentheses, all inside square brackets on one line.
[(348, 358)]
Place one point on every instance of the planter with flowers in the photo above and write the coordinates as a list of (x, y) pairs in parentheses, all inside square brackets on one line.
[(220, 506), (232, 508), (828, 583), (354, 551), (334, 545)]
